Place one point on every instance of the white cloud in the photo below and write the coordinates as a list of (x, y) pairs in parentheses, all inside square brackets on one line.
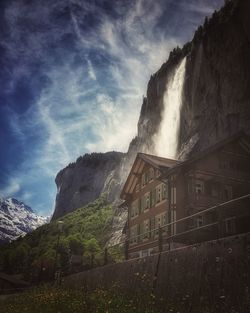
[(198, 7), (12, 187), (110, 126), (91, 71), (26, 196), (85, 106)]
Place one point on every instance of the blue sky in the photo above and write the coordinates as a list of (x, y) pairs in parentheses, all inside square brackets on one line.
[(71, 72)]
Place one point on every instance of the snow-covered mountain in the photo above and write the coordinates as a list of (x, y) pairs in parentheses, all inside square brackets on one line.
[(17, 219)]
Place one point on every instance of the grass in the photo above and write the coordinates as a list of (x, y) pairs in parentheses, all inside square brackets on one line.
[(59, 300), (50, 299)]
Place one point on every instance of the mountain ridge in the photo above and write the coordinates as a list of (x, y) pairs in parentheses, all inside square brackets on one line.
[(17, 219)]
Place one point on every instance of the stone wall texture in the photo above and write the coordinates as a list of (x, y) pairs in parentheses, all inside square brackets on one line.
[(213, 275)]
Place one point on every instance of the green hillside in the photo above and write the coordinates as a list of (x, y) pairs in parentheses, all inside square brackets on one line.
[(84, 233)]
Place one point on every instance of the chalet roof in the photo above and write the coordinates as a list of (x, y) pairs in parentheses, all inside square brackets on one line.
[(157, 161), (241, 137), (137, 168), (169, 166)]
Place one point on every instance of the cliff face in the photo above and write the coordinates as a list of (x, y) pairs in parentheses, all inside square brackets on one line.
[(215, 98), (215, 94), (83, 181)]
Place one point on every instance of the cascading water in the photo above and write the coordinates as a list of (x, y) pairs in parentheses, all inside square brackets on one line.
[(166, 140)]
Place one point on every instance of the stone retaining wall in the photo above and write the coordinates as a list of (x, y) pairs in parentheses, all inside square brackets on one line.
[(215, 275)]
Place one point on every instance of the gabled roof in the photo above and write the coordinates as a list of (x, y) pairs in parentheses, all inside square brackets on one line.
[(137, 168), (170, 166), (157, 161), (241, 137)]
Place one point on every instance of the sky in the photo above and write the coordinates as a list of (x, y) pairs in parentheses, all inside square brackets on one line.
[(73, 74)]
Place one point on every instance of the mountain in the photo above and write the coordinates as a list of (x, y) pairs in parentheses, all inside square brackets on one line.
[(17, 219), (200, 96)]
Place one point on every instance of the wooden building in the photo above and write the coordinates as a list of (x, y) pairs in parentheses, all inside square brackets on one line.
[(159, 191)]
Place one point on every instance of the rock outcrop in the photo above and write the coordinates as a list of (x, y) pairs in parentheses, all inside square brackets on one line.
[(83, 181)]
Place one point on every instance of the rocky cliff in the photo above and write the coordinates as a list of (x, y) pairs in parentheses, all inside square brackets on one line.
[(215, 102), (216, 97), (216, 93), (83, 181)]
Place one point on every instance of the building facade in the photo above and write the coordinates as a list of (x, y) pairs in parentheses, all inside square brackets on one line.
[(160, 191)]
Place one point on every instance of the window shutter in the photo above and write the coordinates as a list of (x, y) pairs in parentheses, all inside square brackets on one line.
[(153, 197), (164, 191), (153, 223), (142, 203), (143, 179), (152, 226)]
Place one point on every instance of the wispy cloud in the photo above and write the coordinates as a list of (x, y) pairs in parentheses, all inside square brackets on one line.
[(88, 68), (12, 187), (91, 70), (200, 7)]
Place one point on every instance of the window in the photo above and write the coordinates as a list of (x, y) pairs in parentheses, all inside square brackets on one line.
[(144, 253), (224, 164), (146, 229), (164, 191), (152, 198), (151, 174), (143, 203), (199, 186), (230, 225), (137, 188), (158, 193), (147, 201), (135, 209), (160, 220), (143, 179), (133, 234), (173, 219), (190, 186), (158, 173), (227, 193), (215, 190), (199, 221), (173, 195), (152, 226), (163, 218)]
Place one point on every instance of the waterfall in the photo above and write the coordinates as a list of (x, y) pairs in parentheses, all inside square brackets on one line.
[(166, 140)]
